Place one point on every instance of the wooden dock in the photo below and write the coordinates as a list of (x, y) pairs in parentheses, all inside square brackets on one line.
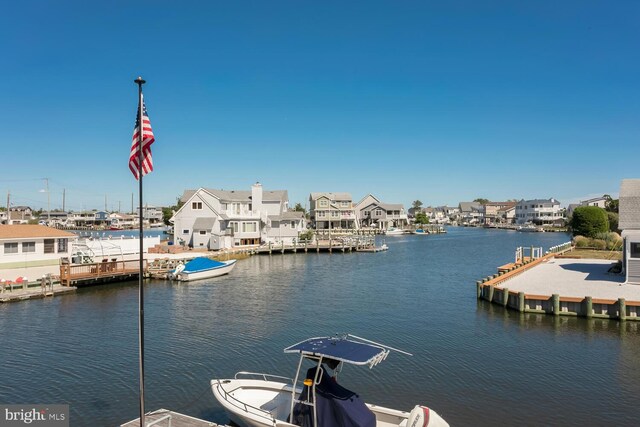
[(99, 272), (167, 418), (34, 292)]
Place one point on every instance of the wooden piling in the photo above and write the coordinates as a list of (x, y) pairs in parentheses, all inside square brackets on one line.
[(555, 298)]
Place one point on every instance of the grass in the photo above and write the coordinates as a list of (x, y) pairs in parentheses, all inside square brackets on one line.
[(594, 254)]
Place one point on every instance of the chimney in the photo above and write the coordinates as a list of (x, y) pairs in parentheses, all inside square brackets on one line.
[(256, 197)]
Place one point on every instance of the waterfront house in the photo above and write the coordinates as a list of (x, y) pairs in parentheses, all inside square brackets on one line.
[(629, 223), (507, 214), (470, 212), (285, 228), (220, 219), (495, 212), (120, 221), (600, 202), (150, 214), (31, 245), (538, 211), (371, 212), (332, 211)]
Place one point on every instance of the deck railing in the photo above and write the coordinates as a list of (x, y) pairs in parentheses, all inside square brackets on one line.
[(70, 273)]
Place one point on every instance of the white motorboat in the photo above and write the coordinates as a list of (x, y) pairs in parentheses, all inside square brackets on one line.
[(393, 231), (201, 268), (314, 398), (530, 228)]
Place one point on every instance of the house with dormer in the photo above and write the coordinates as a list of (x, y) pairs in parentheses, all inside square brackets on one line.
[(372, 212), (332, 211), (220, 219)]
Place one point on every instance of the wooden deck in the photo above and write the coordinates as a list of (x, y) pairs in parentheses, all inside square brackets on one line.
[(166, 418), (34, 292), (100, 272)]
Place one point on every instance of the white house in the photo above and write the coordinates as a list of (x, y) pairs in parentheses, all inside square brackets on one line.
[(219, 219), (629, 223), (33, 246), (538, 211), (470, 212)]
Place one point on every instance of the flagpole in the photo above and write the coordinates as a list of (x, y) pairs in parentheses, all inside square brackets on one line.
[(140, 82)]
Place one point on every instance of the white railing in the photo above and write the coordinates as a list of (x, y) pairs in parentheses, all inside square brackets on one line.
[(166, 417)]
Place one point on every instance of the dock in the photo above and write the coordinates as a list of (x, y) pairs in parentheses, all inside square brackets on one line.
[(548, 284), (167, 418), (351, 243), (99, 272), (33, 292)]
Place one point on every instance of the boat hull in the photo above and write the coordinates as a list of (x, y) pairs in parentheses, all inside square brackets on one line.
[(260, 403), (185, 276)]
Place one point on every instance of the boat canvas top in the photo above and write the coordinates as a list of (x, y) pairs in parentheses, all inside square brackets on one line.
[(201, 263), (348, 349)]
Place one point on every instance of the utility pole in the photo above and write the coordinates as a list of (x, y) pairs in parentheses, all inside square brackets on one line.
[(105, 203), (64, 191), (8, 204)]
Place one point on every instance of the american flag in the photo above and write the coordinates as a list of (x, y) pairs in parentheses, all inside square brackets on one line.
[(147, 140)]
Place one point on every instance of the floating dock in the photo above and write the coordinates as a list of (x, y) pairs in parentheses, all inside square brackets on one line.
[(166, 418), (33, 292)]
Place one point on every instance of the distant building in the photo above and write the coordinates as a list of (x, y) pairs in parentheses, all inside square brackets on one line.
[(629, 223), (470, 212), (19, 215), (332, 211), (150, 214), (371, 212), (498, 212), (600, 202), (538, 211)]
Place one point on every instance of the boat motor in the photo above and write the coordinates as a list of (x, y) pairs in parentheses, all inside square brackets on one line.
[(421, 416)]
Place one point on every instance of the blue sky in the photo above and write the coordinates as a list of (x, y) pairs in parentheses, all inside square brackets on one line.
[(437, 101)]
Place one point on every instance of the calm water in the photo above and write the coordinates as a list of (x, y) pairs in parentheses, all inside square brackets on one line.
[(474, 363)]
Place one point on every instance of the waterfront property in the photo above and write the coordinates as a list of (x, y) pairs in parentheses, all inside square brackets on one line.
[(222, 219), (470, 212), (538, 211), (498, 212), (562, 286), (30, 245), (332, 211), (629, 223), (371, 212)]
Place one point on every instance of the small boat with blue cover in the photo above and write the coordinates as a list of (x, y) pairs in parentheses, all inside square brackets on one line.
[(201, 268), (314, 398)]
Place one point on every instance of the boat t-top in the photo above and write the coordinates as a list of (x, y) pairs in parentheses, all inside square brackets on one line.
[(314, 398)]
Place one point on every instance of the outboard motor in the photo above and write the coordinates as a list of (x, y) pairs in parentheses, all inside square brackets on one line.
[(421, 416)]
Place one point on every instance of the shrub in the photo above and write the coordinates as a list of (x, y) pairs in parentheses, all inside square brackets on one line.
[(613, 220), (598, 244), (588, 221), (581, 242)]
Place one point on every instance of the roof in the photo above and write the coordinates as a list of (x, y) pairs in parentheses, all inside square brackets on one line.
[(540, 201), (239, 196), (629, 207), (391, 206), (331, 196), (469, 206), (27, 231), (290, 215), (344, 349), (204, 223)]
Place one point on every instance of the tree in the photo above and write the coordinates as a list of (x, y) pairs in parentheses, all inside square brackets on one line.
[(167, 212), (416, 205), (422, 218), (481, 201), (588, 221), (299, 208), (611, 205), (613, 221)]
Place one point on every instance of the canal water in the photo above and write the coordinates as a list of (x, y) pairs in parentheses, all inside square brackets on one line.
[(474, 363)]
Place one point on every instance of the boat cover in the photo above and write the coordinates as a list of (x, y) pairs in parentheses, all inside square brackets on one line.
[(342, 349), (335, 405), (201, 263)]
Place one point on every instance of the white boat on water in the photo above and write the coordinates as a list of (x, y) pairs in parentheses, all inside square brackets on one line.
[(314, 398), (530, 228), (201, 268), (393, 231), (421, 232)]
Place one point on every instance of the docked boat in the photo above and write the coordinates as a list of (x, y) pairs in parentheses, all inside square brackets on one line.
[(421, 231), (530, 228), (201, 268), (393, 231), (314, 398)]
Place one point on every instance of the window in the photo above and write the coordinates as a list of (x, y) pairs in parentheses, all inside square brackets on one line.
[(185, 231), (323, 203), (202, 232), (10, 248), (293, 224), (235, 207), (378, 212), (62, 245), (234, 226), (634, 249), (321, 214), (344, 204), (334, 214), (196, 206), (249, 227), (49, 246), (28, 246)]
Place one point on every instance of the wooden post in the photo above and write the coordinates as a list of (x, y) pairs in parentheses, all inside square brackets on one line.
[(491, 293), (479, 288), (622, 309), (588, 307), (270, 243), (521, 302), (282, 246), (555, 299), (505, 297)]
